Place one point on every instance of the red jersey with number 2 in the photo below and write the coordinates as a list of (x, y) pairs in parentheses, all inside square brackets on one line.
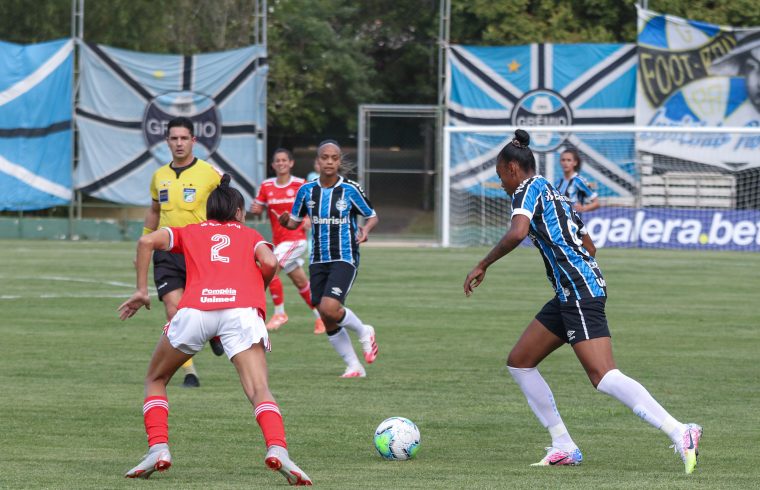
[(221, 268), (279, 199)]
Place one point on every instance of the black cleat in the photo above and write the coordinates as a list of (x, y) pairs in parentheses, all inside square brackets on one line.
[(216, 346), (191, 381)]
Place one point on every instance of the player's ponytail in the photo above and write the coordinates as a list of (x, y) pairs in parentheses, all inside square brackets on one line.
[(518, 150), (224, 201)]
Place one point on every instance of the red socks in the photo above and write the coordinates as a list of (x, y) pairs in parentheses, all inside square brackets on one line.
[(269, 419), (306, 294), (156, 417), (275, 289)]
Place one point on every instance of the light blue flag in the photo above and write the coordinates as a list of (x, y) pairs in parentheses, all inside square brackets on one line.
[(35, 125), (127, 99), (543, 85)]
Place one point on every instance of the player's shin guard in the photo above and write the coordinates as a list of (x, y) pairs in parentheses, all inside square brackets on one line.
[(541, 401), (633, 395), (156, 418), (270, 420), (275, 289), (305, 293), (352, 322)]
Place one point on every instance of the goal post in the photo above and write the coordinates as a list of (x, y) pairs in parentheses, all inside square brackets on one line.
[(671, 187)]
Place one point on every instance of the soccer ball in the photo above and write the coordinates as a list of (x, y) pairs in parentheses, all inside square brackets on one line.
[(397, 438)]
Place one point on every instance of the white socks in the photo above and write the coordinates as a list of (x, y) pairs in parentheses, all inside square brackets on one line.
[(341, 342), (352, 322), (541, 401), (630, 393)]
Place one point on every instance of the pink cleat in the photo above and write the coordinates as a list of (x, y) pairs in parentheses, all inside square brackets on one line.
[(277, 320), (558, 457), (369, 346), (319, 326)]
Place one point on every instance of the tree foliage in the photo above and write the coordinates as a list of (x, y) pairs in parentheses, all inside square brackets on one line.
[(328, 56)]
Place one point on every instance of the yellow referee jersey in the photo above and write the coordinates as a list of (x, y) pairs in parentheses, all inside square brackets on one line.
[(183, 197)]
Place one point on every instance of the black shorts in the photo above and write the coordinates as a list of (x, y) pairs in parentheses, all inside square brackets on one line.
[(575, 320), (331, 279), (169, 272)]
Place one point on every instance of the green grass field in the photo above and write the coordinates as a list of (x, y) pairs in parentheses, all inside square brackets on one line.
[(685, 324)]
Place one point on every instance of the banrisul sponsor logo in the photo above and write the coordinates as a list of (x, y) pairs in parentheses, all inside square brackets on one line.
[(332, 220), (199, 108), (694, 231)]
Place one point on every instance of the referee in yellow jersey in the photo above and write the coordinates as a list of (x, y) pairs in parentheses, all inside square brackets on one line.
[(179, 190)]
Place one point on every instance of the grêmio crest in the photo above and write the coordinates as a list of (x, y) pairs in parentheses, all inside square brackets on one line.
[(543, 107), (199, 108)]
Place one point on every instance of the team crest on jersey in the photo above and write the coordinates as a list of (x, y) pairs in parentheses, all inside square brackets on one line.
[(289, 192), (310, 204), (341, 205), (189, 194)]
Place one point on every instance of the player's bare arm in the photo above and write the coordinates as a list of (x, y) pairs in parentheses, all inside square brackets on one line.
[(516, 234), (588, 244), (267, 262), (158, 240), (257, 209), (362, 234)]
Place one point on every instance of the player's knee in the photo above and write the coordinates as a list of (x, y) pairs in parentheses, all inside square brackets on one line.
[(330, 313), (516, 359)]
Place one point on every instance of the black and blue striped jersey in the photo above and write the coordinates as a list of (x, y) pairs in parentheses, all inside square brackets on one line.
[(576, 188), (333, 211), (555, 230)]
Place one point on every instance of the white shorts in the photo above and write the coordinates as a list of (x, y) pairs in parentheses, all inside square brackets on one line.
[(289, 255), (238, 328)]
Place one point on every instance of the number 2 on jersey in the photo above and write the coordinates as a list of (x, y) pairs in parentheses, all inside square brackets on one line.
[(223, 241)]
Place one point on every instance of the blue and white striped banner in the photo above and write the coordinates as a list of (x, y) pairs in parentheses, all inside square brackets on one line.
[(35, 125), (543, 85), (127, 98)]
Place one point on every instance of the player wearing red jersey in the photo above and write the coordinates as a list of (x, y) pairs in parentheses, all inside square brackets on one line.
[(228, 269), (277, 195)]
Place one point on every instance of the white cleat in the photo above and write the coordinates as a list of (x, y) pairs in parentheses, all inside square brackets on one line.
[(369, 346), (688, 447), (354, 372), (277, 459), (158, 459)]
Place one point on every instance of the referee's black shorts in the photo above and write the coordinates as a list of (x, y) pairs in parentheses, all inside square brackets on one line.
[(575, 320), (169, 272)]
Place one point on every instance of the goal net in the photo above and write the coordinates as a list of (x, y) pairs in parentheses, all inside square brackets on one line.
[(658, 187)]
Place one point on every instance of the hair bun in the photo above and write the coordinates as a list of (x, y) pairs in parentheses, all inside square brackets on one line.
[(226, 178), (522, 137)]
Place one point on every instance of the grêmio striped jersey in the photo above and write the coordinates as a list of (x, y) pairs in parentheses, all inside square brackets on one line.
[(555, 230), (576, 189), (333, 211)]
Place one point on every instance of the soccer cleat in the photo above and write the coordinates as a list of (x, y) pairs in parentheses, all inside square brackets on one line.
[(191, 381), (319, 326), (277, 320), (158, 459), (559, 457), (369, 346), (216, 346), (688, 446), (354, 372), (278, 460)]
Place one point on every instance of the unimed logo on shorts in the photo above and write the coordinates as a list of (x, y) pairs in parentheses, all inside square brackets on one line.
[(675, 228), (199, 108)]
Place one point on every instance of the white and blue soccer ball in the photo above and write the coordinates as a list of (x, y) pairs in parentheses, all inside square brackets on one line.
[(397, 438)]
